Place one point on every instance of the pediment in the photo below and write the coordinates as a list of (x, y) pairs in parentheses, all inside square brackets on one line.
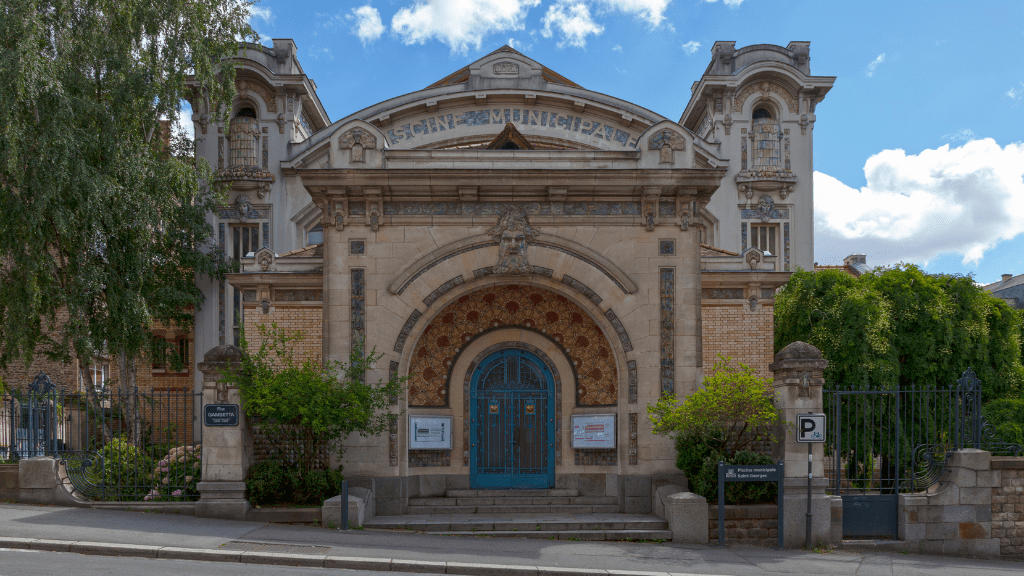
[(505, 65)]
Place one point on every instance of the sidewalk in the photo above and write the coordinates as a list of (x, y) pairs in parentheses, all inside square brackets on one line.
[(117, 533)]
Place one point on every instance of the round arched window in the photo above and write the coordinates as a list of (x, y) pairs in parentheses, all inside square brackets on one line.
[(765, 131), (245, 139), (761, 113)]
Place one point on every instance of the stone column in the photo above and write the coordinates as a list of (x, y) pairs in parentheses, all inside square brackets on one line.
[(798, 370), (227, 450)]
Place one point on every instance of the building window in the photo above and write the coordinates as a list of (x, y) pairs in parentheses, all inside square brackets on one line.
[(315, 235), (170, 354), (765, 135), (763, 236), (245, 241), (98, 374), (245, 139)]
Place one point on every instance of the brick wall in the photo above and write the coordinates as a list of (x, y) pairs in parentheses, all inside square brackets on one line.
[(754, 525), (1008, 506), (306, 318), (731, 329)]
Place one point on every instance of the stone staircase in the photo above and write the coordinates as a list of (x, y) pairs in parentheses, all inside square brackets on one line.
[(556, 514)]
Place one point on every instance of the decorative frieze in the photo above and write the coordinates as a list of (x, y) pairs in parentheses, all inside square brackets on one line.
[(765, 88), (633, 380), (767, 293), (442, 290), (393, 439), (668, 354), (298, 295), (581, 288), (429, 458), (358, 305), (633, 449), (527, 208), (620, 330), (721, 293), (406, 330), (393, 374), (666, 208), (598, 457), (785, 243), (765, 211)]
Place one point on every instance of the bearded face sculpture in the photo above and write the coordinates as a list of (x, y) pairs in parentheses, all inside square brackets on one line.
[(511, 234)]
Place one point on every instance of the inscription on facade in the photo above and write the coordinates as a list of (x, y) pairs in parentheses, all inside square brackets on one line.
[(560, 125), (506, 68)]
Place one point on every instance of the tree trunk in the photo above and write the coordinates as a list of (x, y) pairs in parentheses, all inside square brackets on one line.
[(103, 423), (128, 392)]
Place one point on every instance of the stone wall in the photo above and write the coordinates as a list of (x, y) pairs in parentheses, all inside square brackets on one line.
[(753, 525), (8, 482), (731, 329), (1008, 506)]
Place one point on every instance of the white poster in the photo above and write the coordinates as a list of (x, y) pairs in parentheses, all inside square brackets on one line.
[(430, 432), (593, 431)]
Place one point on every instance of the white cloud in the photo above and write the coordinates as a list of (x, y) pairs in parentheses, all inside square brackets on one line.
[(368, 26), (518, 45), (572, 20), (1015, 94), (459, 23), (874, 64), (730, 3), (691, 47), (185, 121), (617, 48), (960, 200), (653, 11), (962, 135), (258, 13)]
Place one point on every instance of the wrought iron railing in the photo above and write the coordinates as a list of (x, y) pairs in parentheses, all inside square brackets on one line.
[(112, 445), (896, 441)]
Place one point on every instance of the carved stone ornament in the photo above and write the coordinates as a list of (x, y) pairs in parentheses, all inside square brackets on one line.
[(265, 305), (374, 217), (326, 218), (264, 93), (727, 123), (803, 123), (667, 141), (649, 220), (766, 209), (264, 258), (754, 258), (339, 218), (243, 206), (765, 88), (280, 123), (511, 233), (357, 140), (753, 303)]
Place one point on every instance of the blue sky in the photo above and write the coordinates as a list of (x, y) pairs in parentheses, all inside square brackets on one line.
[(918, 147)]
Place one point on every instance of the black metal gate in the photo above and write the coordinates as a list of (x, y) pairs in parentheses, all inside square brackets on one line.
[(110, 444), (888, 442)]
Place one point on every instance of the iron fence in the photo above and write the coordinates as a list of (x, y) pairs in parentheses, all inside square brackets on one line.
[(111, 445)]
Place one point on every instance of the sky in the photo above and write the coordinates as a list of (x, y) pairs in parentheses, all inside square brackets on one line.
[(918, 148)]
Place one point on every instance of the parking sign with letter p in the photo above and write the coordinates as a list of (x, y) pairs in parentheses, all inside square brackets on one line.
[(810, 428)]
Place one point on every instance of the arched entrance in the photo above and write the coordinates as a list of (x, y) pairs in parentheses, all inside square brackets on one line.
[(512, 422)]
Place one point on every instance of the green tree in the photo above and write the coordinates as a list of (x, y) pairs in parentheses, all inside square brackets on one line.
[(102, 229), (325, 403)]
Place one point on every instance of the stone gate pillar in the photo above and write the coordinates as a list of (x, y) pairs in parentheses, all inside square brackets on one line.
[(227, 450), (799, 376)]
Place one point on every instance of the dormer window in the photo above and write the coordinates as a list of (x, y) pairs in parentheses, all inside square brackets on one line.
[(245, 139)]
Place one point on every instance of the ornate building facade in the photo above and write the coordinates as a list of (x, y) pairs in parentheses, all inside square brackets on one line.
[(542, 260)]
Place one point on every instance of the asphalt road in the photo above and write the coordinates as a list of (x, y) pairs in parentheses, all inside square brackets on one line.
[(25, 521)]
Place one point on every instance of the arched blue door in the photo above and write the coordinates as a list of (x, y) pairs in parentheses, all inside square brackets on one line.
[(512, 427)]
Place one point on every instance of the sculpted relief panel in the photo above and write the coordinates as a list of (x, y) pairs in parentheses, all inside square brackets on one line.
[(529, 120), (530, 307)]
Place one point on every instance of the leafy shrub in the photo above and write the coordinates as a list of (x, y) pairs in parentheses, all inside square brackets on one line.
[(723, 421), (270, 482), (125, 472), (1006, 416), (176, 475)]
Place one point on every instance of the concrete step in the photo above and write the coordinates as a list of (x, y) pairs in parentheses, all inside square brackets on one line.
[(517, 501), (539, 509), (520, 523), (551, 492), (587, 535)]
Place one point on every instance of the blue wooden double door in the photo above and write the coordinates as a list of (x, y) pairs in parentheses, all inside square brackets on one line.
[(512, 422)]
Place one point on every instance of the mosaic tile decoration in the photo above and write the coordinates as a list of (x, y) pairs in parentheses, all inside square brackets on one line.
[(406, 330), (554, 315), (581, 288), (633, 438), (429, 458), (469, 378), (743, 234), (220, 310), (633, 380), (666, 208), (668, 359), (393, 439), (266, 234), (442, 290), (495, 208), (600, 457), (767, 293), (785, 241), (393, 373), (620, 330), (357, 247), (358, 305), (667, 247)]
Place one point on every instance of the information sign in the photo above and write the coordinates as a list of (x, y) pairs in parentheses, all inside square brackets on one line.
[(220, 414), (430, 432), (810, 428), (593, 431), (748, 473)]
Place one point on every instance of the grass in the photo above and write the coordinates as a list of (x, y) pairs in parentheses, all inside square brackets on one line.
[(825, 549)]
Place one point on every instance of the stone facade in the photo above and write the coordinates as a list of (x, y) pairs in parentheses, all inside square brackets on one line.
[(1008, 506), (580, 239)]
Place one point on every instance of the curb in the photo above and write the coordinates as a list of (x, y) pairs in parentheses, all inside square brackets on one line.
[(310, 560)]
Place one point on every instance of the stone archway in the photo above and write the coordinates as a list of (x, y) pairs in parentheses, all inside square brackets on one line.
[(513, 305)]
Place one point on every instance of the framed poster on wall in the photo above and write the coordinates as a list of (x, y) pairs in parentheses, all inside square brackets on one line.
[(593, 431), (430, 432)]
